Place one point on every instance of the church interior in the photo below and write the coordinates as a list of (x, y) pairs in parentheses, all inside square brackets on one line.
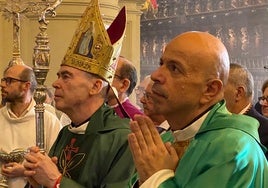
[(242, 25)]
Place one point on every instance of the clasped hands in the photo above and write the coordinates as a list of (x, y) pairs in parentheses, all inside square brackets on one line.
[(149, 153), (40, 168), (12, 170)]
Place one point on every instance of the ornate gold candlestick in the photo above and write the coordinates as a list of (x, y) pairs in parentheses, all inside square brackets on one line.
[(41, 60), (12, 10)]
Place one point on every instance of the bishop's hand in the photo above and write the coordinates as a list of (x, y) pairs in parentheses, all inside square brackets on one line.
[(41, 168)]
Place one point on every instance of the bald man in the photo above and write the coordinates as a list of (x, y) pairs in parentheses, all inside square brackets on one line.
[(150, 111), (140, 89), (213, 148), (17, 119)]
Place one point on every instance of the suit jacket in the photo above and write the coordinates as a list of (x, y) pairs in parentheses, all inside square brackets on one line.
[(263, 128)]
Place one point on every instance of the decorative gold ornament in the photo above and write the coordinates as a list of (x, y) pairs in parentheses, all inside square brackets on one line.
[(16, 155), (93, 48)]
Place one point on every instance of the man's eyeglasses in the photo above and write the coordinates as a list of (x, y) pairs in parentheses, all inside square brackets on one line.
[(9, 80), (263, 100), (147, 96), (139, 90)]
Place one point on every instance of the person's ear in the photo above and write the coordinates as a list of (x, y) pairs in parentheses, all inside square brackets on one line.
[(212, 90), (96, 86), (240, 93), (26, 86), (125, 85)]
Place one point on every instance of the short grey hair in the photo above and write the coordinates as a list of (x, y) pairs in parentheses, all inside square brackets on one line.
[(240, 75)]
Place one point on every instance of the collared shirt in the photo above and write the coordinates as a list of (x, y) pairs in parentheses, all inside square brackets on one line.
[(163, 127), (78, 130), (243, 111)]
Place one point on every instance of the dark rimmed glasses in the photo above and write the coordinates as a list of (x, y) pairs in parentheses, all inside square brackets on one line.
[(9, 80), (263, 100)]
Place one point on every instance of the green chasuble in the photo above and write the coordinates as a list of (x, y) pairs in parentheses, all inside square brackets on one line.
[(100, 157), (225, 153)]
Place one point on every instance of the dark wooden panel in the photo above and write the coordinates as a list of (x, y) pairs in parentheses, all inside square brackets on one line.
[(242, 25)]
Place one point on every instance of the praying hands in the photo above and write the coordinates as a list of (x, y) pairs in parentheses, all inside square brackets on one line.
[(149, 152)]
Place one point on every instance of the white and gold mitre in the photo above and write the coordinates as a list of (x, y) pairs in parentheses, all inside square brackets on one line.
[(93, 48)]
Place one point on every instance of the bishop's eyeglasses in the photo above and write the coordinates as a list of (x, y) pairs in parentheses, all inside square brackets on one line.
[(9, 80), (263, 100)]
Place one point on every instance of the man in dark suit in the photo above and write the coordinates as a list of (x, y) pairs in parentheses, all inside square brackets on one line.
[(239, 94)]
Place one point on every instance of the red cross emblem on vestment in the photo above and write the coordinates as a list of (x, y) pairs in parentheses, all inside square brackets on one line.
[(69, 149)]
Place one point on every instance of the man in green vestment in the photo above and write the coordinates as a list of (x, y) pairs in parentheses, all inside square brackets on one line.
[(212, 148), (93, 150)]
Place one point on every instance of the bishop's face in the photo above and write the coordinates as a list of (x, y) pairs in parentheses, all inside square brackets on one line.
[(71, 88)]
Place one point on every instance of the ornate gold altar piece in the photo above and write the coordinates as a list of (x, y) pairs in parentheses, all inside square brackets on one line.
[(13, 10), (16, 155)]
